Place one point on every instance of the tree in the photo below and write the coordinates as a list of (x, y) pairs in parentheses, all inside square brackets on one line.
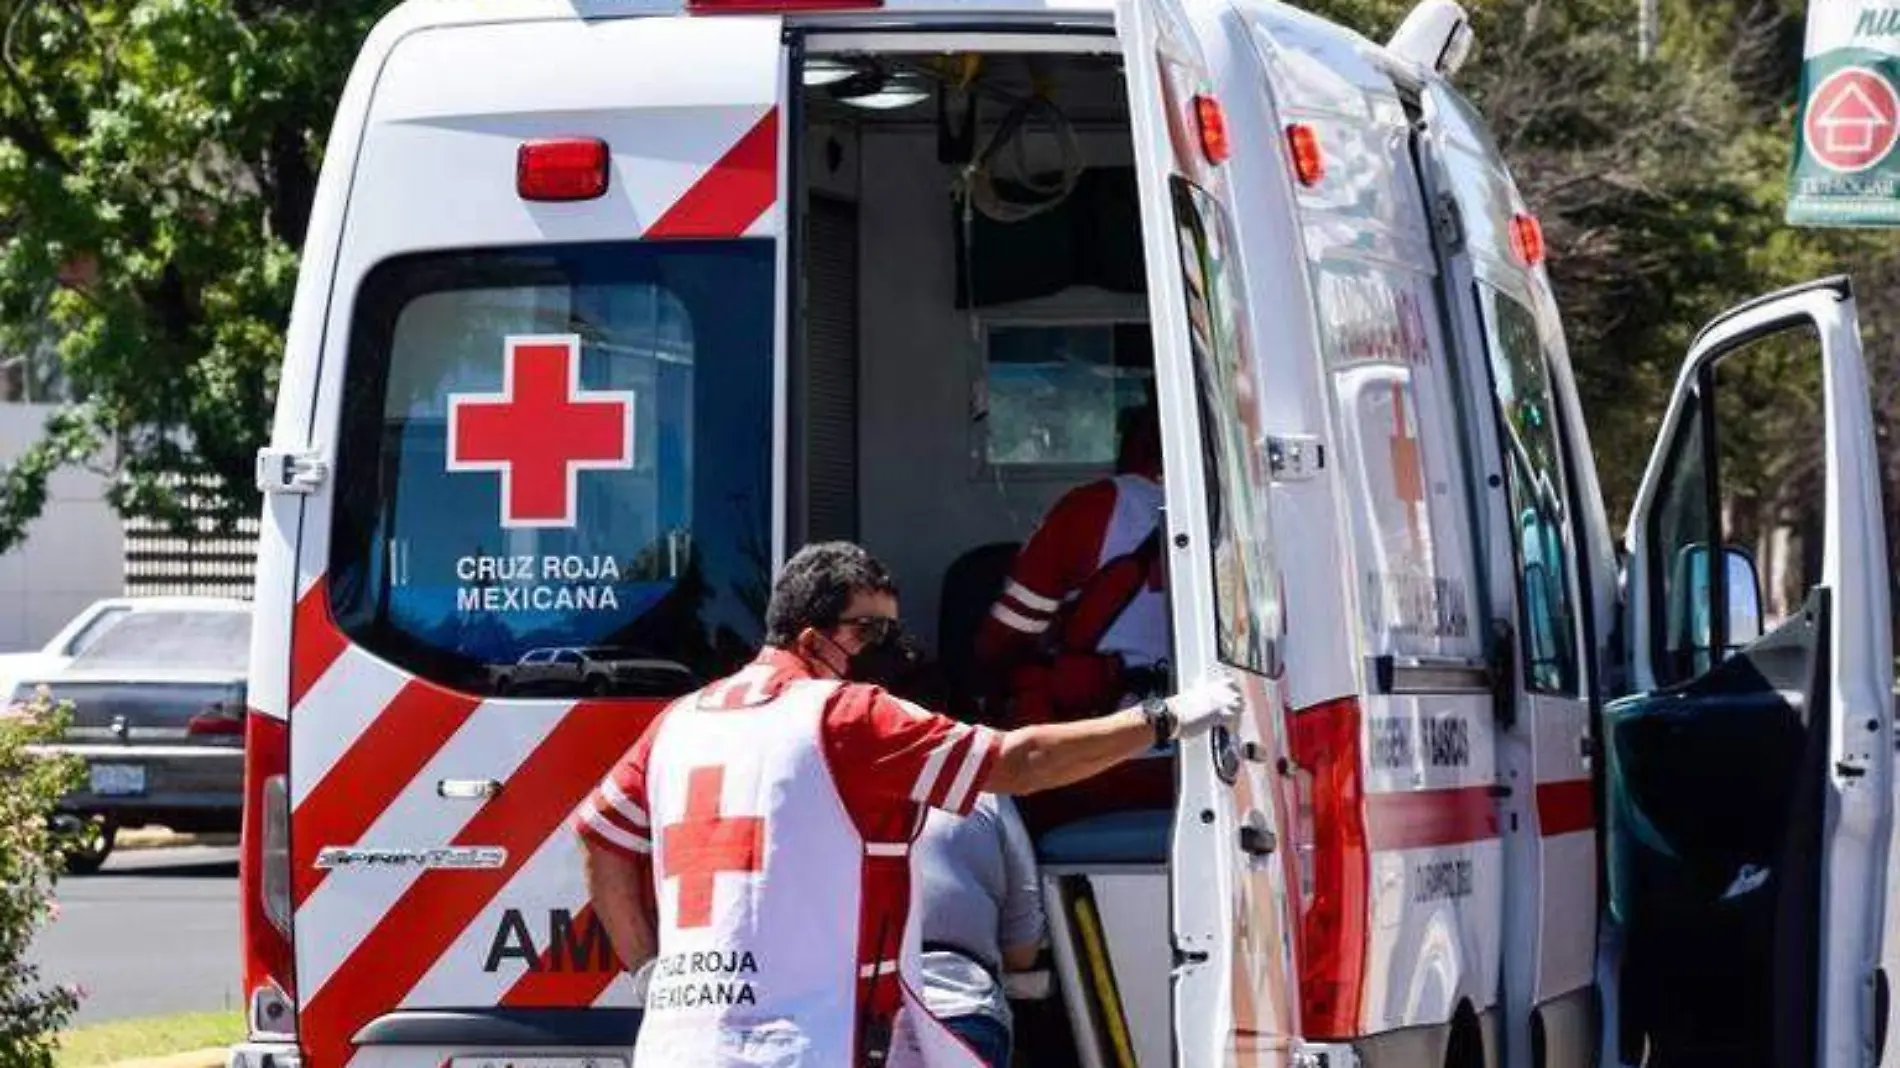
[(158, 160)]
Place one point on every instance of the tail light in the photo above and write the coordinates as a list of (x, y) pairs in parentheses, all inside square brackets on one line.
[(218, 720), (264, 878), (1334, 924)]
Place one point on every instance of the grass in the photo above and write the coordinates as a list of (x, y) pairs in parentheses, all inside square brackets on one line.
[(152, 1036)]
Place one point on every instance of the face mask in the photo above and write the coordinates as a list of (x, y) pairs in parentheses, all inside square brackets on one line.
[(885, 657), (884, 661)]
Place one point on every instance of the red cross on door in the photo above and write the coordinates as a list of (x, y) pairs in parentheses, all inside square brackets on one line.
[(704, 845), (541, 431), (1408, 469)]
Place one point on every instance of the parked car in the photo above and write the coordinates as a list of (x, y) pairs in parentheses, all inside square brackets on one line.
[(596, 671), (158, 706), (72, 639)]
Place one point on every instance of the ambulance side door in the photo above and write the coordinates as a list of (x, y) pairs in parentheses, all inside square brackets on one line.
[(1756, 760), (1222, 577)]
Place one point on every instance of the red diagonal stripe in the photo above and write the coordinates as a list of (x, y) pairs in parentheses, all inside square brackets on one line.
[(439, 905), (315, 641), (550, 985), (1429, 819), (1565, 807), (369, 776), (733, 194)]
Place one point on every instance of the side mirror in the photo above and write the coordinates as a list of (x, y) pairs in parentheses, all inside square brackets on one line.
[(1693, 603)]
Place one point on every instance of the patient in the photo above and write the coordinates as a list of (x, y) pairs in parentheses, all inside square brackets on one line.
[(982, 917)]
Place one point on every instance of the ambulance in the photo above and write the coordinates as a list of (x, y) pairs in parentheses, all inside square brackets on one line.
[(607, 306)]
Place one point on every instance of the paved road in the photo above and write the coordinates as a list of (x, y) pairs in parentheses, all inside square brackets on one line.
[(156, 932)]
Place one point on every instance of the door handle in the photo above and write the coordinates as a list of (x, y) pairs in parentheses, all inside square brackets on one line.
[(1255, 839), (468, 789)]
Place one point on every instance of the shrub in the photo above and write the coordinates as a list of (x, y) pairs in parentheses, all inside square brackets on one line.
[(31, 782)]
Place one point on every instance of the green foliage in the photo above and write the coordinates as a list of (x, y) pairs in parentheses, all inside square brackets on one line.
[(158, 159), (31, 1014)]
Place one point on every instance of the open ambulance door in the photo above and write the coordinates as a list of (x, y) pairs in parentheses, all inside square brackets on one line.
[(1748, 781), (1223, 586)]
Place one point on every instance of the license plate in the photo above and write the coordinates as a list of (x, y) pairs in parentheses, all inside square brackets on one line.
[(117, 780), (537, 1062)]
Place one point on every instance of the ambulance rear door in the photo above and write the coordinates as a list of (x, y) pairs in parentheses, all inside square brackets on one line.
[(1223, 579), (546, 392), (1749, 781)]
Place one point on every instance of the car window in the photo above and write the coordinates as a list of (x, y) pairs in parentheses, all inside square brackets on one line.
[(201, 640), (90, 633)]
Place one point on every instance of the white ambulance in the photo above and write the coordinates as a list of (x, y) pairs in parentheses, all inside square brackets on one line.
[(607, 305)]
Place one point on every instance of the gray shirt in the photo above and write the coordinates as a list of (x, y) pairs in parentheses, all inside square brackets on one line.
[(977, 886)]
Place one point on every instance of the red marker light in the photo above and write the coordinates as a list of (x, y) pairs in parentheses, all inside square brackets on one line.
[(572, 168), (716, 7), (1527, 239), (1309, 165), (1213, 126)]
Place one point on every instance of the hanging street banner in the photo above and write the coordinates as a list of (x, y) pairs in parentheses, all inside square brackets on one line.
[(1846, 172)]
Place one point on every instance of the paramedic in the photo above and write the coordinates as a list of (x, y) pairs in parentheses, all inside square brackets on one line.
[(1081, 626), (982, 917), (754, 844)]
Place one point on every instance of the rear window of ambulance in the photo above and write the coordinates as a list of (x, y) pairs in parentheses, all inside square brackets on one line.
[(559, 447)]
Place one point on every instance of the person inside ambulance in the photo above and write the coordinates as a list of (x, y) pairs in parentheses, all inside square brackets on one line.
[(750, 856), (1081, 626)]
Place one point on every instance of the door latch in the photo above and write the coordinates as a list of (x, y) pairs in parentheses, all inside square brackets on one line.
[(299, 471), (1294, 457)]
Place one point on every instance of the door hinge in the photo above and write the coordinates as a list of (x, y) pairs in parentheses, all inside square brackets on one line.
[(1295, 457), (1449, 223), (299, 471)]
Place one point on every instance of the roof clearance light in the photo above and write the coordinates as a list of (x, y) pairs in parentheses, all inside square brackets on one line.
[(569, 168), (1527, 239), (1309, 164), (1213, 125), (735, 7)]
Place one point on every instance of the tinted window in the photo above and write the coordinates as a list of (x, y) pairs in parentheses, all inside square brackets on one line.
[(1245, 588), (1533, 460), (193, 641), (614, 488)]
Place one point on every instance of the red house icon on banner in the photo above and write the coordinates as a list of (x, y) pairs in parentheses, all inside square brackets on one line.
[(1853, 119)]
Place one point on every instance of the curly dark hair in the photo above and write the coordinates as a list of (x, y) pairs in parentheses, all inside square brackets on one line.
[(816, 585)]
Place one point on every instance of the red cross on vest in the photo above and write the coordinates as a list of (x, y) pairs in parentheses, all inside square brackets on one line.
[(704, 845), (540, 431)]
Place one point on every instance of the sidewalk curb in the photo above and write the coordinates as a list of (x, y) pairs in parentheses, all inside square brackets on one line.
[(210, 1057)]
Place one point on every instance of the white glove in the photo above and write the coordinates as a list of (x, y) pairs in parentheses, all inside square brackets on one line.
[(1212, 702)]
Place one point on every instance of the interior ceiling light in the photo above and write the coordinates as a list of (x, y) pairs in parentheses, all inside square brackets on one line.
[(824, 70), (877, 91)]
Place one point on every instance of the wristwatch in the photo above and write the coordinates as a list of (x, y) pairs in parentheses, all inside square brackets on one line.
[(1161, 717)]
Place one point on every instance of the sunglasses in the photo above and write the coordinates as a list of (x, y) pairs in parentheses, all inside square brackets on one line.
[(876, 629)]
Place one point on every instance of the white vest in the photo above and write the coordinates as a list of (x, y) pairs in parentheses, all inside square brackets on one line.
[(1140, 635), (766, 917)]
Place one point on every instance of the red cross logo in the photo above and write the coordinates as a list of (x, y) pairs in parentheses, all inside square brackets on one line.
[(541, 431), (704, 845), (1407, 467)]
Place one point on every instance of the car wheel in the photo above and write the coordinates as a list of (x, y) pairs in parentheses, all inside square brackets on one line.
[(89, 841)]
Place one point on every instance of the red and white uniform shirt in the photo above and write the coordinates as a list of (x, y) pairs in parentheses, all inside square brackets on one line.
[(1089, 527), (778, 810)]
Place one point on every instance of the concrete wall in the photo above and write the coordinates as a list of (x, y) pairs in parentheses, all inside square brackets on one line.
[(923, 499), (74, 553)]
